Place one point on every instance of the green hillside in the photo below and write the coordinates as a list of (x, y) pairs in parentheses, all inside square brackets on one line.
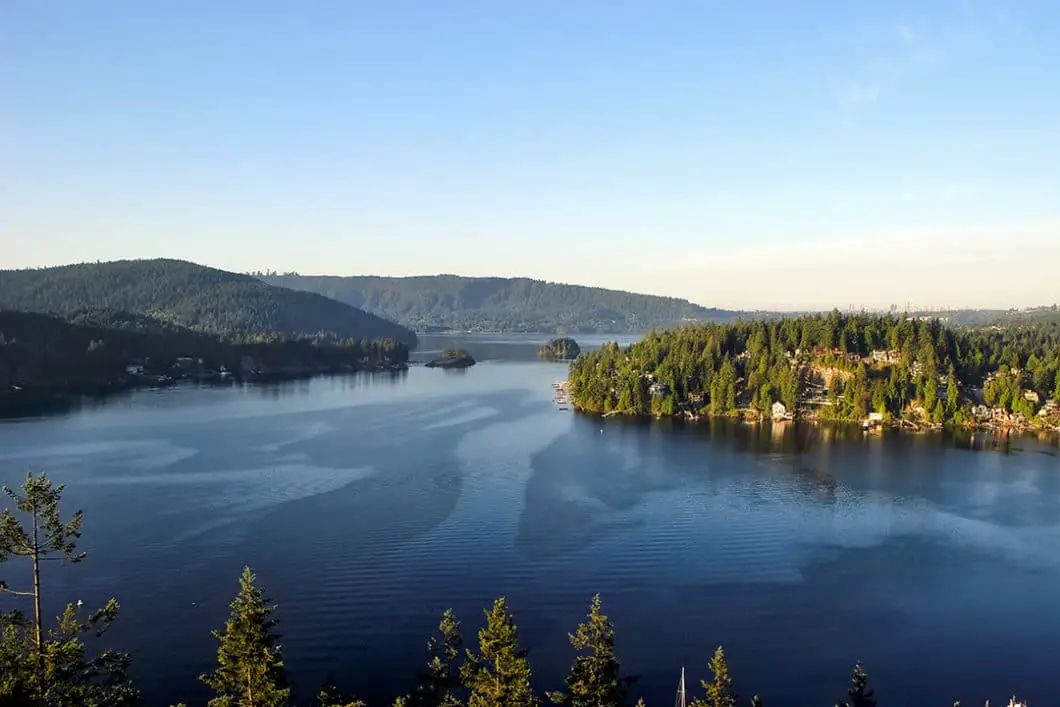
[(450, 302), (201, 298)]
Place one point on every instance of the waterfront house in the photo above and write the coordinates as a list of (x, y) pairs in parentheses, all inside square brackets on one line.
[(876, 417), (134, 369), (981, 412), (780, 411)]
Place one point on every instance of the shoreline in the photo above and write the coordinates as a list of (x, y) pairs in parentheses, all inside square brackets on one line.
[(901, 426), (21, 397)]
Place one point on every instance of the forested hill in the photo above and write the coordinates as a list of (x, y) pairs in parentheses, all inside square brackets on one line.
[(450, 302), (215, 301)]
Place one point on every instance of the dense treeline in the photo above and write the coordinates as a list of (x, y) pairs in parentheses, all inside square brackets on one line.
[(835, 366), (42, 665), (44, 355), (225, 304), (452, 303)]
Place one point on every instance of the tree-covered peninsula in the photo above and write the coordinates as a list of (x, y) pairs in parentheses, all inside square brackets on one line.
[(42, 357), (856, 367), (561, 349)]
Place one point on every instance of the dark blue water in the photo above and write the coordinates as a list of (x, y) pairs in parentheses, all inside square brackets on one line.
[(369, 504)]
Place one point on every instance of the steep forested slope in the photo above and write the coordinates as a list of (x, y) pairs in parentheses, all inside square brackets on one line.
[(501, 304), (190, 295)]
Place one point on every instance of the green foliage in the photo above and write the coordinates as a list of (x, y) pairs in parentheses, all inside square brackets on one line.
[(48, 355), (193, 296), (498, 673), (859, 694), (836, 366), (51, 667), (440, 683), (448, 302), (452, 358), (331, 696), (595, 678), (719, 690), (565, 348), (250, 669)]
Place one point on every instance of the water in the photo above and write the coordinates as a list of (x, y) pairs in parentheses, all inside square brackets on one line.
[(368, 504)]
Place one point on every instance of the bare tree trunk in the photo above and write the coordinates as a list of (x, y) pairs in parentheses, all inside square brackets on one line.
[(36, 608), (250, 689)]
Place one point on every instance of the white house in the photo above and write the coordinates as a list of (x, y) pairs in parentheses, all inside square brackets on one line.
[(875, 417), (780, 410)]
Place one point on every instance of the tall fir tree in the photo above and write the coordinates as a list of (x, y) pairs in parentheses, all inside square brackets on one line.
[(44, 534), (52, 667), (719, 689), (859, 694), (250, 670), (498, 674), (595, 678), (440, 683)]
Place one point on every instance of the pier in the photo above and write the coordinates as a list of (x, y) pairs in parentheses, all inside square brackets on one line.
[(561, 394)]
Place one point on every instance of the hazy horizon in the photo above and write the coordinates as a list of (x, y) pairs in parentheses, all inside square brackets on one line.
[(737, 156)]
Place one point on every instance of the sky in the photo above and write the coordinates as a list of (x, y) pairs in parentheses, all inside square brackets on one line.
[(739, 154)]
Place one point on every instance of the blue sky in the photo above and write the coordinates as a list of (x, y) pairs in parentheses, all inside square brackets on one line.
[(750, 154)]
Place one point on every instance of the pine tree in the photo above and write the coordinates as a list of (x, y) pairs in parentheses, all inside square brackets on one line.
[(47, 534), (595, 678), (53, 668), (331, 696), (250, 665), (440, 683), (859, 694), (498, 674), (953, 392), (719, 689)]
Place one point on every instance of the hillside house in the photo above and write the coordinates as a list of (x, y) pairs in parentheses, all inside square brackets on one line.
[(659, 389), (780, 411), (885, 356), (981, 412), (1032, 396), (876, 417)]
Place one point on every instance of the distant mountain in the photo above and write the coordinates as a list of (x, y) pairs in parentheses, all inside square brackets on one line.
[(189, 295), (450, 302)]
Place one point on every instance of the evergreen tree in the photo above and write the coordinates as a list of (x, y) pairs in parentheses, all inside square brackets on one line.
[(52, 668), (250, 665), (952, 392), (498, 674), (595, 678), (719, 689), (859, 694), (45, 534), (440, 683), (331, 696)]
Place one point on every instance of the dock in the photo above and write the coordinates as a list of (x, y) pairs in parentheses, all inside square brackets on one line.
[(561, 394)]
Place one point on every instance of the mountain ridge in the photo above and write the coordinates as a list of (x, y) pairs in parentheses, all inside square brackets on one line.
[(516, 304), (195, 296)]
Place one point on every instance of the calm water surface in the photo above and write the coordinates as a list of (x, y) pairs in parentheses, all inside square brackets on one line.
[(368, 504)]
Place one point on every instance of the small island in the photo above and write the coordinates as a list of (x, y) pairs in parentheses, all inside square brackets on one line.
[(452, 358), (563, 349)]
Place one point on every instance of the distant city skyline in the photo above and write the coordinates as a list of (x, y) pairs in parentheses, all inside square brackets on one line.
[(742, 156)]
